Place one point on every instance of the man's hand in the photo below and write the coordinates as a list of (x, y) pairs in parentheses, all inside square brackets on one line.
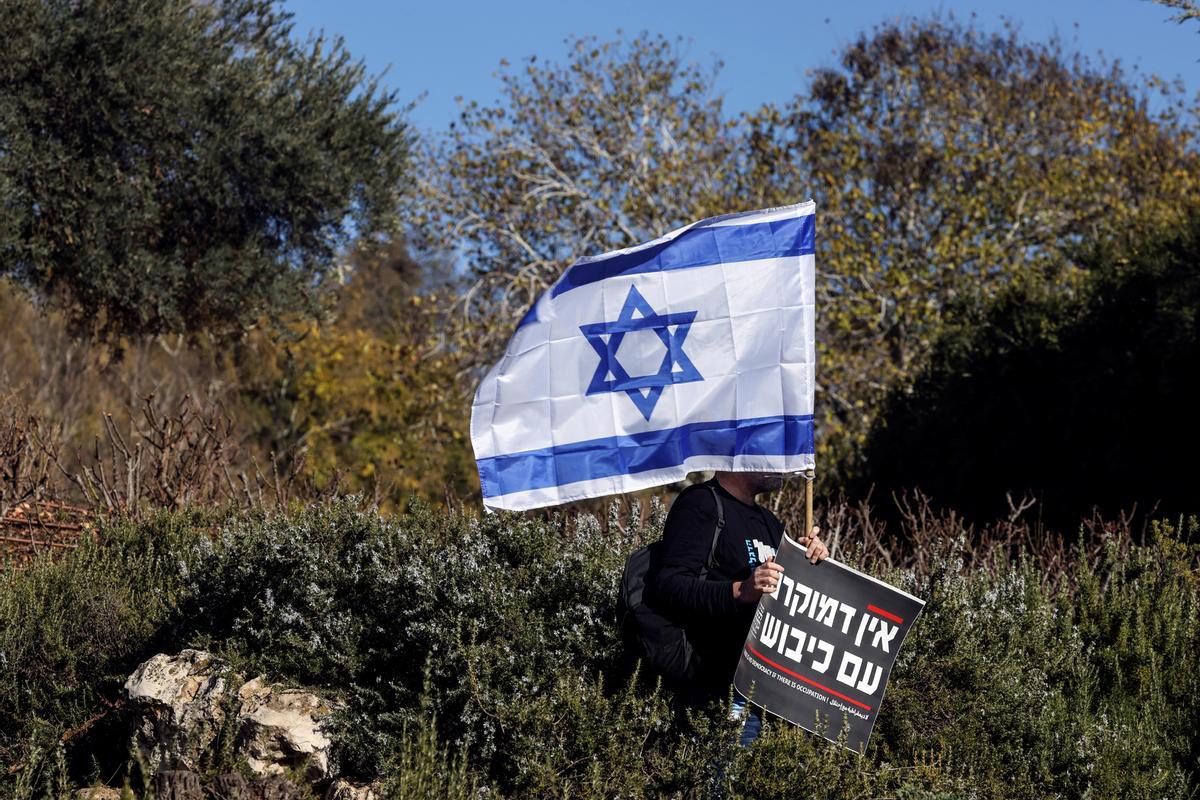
[(763, 580), (765, 577), (817, 551)]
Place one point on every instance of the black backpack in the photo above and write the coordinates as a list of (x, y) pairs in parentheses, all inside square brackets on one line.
[(661, 643)]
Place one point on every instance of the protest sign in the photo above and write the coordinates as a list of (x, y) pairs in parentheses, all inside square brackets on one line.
[(822, 647)]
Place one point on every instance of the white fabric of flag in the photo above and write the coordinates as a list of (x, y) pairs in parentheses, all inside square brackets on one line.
[(692, 352)]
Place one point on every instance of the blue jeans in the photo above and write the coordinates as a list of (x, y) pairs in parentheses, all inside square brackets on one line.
[(741, 708)]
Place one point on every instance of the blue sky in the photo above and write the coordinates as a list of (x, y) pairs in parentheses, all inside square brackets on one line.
[(446, 49)]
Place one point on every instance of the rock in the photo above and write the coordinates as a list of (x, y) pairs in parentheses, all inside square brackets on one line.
[(281, 729), (180, 704), (230, 787), (177, 784), (179, 700), (274, 787), (98, 793), (345, 790)]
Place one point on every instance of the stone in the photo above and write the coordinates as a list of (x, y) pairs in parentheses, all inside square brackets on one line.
[(280, 730), (98, 793), (179, 702), (230, 787), (345, 790), (177, 784), (274, 787)]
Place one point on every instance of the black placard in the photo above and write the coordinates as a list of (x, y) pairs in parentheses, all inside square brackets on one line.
[(821, 648)]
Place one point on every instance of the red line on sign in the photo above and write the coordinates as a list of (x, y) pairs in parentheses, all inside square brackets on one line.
[(809, 681), (888, 615)]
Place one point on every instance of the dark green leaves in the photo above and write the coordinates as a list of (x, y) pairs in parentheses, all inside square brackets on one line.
[(175, 167)]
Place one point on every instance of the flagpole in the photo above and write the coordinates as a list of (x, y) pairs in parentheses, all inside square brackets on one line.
[(810, 476)]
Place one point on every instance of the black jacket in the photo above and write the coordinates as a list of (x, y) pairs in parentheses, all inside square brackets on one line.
[(717, 624)]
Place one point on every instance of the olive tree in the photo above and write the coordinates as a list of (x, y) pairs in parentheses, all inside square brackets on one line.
[(179, 166)]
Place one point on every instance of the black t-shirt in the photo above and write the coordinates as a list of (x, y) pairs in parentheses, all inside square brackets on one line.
[(716, 623)]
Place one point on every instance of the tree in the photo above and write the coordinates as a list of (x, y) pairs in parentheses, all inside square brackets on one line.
[(947, 165), (177, 166), (624, 142), (1080, 401)]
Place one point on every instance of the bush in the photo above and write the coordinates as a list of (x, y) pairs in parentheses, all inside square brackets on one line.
[(503, 625), (1069, 398), (475, 653), (72, 631)]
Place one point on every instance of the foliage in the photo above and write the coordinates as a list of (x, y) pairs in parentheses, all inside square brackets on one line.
[(481, 653), (72, 631), (369, 400), (74, 388), (947, 164), (422, 769), (621, 144), (1188, 9), (1069, 399), (170, 166), (44, 775), (375, 391), (341, 593)]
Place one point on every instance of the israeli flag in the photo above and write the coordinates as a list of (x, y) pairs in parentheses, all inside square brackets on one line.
[(691, 352)]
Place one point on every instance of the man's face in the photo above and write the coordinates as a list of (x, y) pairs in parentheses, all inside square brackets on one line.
[(767, 481)]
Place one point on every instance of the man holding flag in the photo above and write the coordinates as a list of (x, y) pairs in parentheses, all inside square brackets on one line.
[(694, 351), (716, 604)]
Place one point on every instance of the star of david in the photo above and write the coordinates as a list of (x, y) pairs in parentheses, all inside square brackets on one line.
[(643, 390)]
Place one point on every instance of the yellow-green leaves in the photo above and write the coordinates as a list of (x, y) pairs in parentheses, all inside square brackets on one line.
[(946, 164)]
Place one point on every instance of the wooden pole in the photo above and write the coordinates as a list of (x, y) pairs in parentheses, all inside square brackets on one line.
[(810, 476)]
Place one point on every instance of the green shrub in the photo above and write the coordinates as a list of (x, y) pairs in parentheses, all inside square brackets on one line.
[(474, 653), (503, 624), (71, 631), (425, 770)]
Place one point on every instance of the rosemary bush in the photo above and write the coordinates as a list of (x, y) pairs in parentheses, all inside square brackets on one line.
[(478, 657)]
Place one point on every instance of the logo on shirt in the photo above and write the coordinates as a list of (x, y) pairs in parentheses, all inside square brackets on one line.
[(757, 552)]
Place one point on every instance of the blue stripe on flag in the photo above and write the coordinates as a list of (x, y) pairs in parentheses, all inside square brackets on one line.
[(640, 452), (701, 247)]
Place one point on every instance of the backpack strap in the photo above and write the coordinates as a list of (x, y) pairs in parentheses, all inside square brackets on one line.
[(712, 548)]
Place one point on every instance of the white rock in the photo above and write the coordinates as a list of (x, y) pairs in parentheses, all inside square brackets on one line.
[(281, 729), (345, 790), (179, 698), (98, 793), (181, 703)]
